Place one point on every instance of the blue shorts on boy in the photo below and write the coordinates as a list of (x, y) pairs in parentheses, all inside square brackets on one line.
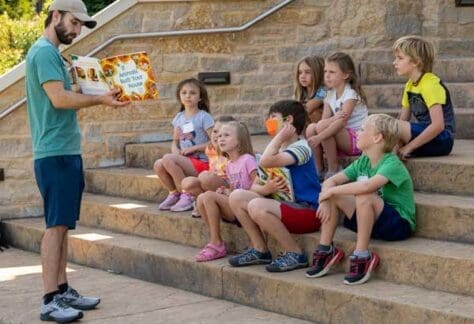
[(438, 146), (60, 180), (389, 226)]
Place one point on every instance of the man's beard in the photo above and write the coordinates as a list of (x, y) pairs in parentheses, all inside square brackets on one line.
[(62, 35)]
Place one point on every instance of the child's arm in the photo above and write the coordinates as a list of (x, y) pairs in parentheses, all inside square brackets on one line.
[(405, 114), (273, 185), (354, 188), (271, 157), (175, 143), (312, 105), (430, 132), (339, 120)]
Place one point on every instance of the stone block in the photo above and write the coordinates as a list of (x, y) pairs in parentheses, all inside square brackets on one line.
[(179, 63)]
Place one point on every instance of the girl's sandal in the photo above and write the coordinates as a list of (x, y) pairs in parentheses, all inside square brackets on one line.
[(211, 252)]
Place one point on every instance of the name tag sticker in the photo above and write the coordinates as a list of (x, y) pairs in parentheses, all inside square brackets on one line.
[(362, 178), (188, 128)]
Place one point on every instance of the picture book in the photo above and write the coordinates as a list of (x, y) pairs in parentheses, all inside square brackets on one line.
[(130, 73), (264, 174)]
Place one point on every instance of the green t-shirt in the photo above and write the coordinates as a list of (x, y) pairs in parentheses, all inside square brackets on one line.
[(53, 131), (398, 192)]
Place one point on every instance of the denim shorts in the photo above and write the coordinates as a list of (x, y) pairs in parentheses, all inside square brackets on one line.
[(438, 146), (60, 181), (390, 226)]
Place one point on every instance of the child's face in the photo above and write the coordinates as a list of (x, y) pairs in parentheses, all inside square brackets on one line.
[(189, 95), (365, 136), (215, 133), (403, 64), (305, 76), (228, 140), (333, 75)]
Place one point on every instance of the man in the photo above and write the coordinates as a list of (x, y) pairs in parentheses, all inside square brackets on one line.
[(56, 148)]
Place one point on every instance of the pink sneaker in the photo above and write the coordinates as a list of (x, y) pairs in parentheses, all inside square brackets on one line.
[(169, 201), (185, 202)]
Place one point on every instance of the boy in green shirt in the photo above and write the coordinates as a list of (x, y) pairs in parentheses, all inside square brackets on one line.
[(376, 195)]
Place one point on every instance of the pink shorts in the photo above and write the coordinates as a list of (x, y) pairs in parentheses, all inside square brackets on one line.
[(299, 219), (199, 165), (354, 150)]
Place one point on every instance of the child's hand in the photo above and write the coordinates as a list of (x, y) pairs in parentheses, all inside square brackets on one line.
[(187, 151), (324, 212), (223, 191), (275, 184), (404, 153), (314, 141), (325, 195), (340, 115), (286, 132)]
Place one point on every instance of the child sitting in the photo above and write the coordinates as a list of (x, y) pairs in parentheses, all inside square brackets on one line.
[(343, 114), (378, 202), (207, 180), (279, 219), (235, 143), (427, 98), (192, 128)]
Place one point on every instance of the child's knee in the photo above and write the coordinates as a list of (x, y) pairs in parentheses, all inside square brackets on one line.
[(320, 126), (189, 183), (311, 130), (158, 165), (365, 199), (257, 210)]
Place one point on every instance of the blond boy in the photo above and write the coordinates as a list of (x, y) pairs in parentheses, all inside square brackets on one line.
[(426, 97), (375, 193)]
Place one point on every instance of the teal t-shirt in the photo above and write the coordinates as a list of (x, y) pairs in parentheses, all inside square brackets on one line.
[(53, 131), (398, 192)]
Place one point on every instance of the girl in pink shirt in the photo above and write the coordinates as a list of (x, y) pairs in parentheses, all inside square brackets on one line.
[(234, 141)]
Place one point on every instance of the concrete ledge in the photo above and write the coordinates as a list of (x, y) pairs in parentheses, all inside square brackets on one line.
[(425, 262), (323, 300)]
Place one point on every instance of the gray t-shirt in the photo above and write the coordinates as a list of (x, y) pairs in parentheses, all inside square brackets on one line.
[(193, 130)]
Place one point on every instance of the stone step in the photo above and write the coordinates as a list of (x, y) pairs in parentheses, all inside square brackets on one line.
[(452, 174), (20, 275), (390, 95), (425, 261), (458, 69), (325, 300)]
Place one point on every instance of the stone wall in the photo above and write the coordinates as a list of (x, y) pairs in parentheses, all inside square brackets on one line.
[(261, 61)]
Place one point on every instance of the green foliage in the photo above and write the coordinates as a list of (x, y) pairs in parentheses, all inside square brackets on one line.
[(16, 37), (94, 6), (16, 8)]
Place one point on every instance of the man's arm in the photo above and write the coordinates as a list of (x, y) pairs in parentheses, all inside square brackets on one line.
[(65, 99)]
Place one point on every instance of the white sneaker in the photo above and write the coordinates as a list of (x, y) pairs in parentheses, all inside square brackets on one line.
[(75, 300), (57, 310)]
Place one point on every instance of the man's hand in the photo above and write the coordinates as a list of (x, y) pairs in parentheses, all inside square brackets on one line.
[(110, 99)]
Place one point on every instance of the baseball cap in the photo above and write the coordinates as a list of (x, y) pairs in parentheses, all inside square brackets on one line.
[(77, 8)]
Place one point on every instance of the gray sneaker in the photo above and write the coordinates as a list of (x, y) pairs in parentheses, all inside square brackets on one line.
[(74, 299), (57, 310)]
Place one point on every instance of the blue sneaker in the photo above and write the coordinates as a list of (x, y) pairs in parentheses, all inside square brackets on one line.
[(287, 262), (250, 257)]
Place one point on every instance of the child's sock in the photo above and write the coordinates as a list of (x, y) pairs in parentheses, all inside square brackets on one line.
[(325, 248), (49, 297), (63, 287), (362, 253)]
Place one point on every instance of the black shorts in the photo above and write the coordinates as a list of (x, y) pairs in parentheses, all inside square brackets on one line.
[(389, 226), (60, 181)]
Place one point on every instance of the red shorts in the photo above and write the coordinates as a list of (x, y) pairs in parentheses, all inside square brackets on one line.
[(299, 219), (199, 165)]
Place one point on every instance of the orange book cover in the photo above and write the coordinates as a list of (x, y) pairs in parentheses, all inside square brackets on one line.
[(130, 73)]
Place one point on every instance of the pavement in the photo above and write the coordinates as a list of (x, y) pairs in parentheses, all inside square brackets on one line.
[(123, 299)]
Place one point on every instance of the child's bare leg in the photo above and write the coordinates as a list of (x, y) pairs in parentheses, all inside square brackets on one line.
[(368, 206), (192, 186), (211, 181), (317, 151), (341, 140), (216, 207), (405, 131), (201, 208), (239, 201), (344, 203), (266, 213), (163, 175), (178, 167)]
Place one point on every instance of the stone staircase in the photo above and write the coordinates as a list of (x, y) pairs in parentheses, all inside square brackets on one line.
[(426, 279)]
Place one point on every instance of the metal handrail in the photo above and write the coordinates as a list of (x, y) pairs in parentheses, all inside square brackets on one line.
[(243, 27)]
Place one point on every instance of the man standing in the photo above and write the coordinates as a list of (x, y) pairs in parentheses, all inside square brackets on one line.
[(56, 141)]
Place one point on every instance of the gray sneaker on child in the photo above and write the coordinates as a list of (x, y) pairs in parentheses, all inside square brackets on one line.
[(58, 310)]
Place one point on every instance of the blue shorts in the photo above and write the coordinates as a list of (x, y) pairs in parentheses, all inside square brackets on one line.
[(389, 226), (438, 146), (60, 181)]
